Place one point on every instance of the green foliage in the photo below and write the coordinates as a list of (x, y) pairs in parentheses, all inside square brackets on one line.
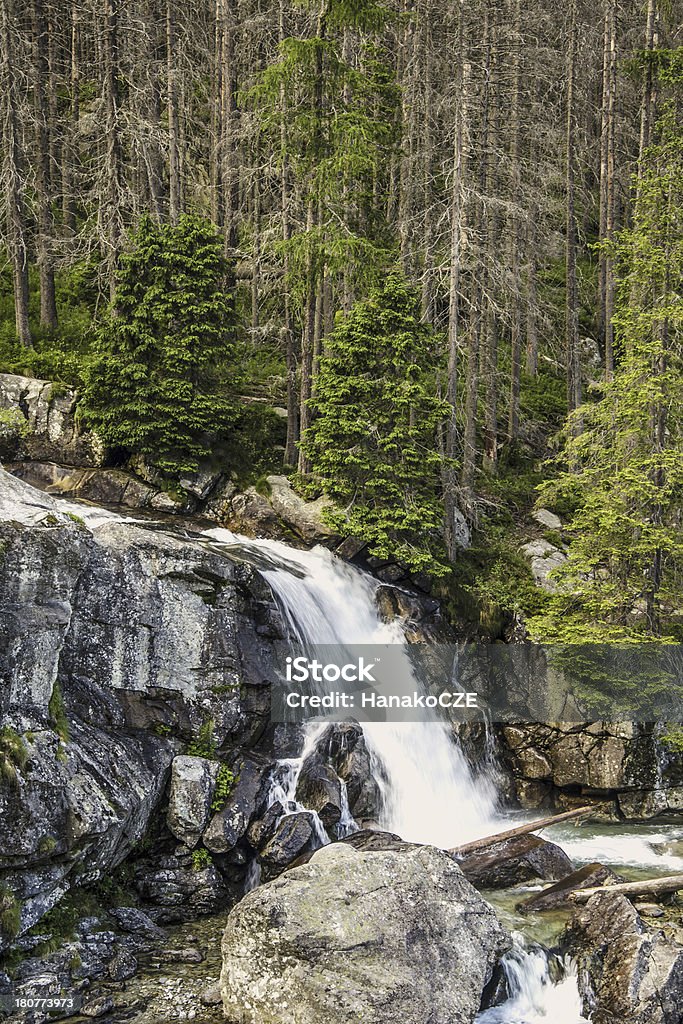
[(58, 717), (47, 845), (225, 780), (672, 738), (13, 754), (13, 421), (201, 858), (621, 466), (340, 132), (256, 445), (204, 743), (372, 445), (157, 385), (10, 913)]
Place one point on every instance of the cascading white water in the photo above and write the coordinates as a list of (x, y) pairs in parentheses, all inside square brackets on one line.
[(534, 997), (429, 794)]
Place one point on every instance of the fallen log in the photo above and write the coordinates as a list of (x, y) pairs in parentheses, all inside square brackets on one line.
[(521, 830), (647, 887), (590, 876)]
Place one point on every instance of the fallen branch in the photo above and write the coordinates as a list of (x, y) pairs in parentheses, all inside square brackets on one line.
[(522, 830), (646, 887)]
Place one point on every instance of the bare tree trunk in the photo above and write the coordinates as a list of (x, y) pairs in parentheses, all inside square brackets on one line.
[(610, 225), (289, 343), (607, 171), (172, 111), (113, 143), (256, 254), (69, 150), (649, 84), (515, 234), (308, 340), (572, 302), (16, 215), (457, 232), (41, 76), (228, 142)]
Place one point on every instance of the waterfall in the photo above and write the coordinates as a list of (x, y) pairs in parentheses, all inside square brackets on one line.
[(534, 996), (429, 794)]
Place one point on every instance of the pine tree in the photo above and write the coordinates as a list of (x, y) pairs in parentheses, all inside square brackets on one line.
[(372, 443), (154, 386), (624, 573)]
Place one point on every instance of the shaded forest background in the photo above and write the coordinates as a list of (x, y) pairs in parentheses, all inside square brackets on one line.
[(488, 158)]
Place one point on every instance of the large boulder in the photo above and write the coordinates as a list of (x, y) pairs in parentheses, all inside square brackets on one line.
[(193, 780), (118, 647), (633, 974), (562, 762), (515, 860), (544, 558), (319, 789), (373, 937), (49, 429), (293, 835), (303, 517), (247, 799)]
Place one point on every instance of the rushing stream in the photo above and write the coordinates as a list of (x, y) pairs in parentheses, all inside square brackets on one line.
[(429, 792)]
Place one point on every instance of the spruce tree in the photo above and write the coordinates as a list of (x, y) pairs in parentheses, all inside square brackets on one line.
[(155, 386), (624, 474), (372, 441)]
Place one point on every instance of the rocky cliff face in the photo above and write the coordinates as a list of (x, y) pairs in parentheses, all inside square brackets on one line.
[(118, 645)]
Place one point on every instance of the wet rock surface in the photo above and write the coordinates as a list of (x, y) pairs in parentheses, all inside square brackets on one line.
[(45, 423), (631, 972), (366, 935), (558, 895), (512, 861), (624, 766), (118, 646)]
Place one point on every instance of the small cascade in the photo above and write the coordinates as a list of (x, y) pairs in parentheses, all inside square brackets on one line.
[(285, 780), (347, 825), (543, 989), (429, 793)]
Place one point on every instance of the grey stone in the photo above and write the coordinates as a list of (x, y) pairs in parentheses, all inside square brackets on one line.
[(98, 1007), (319, 789), (635, 974), (294, 835), (51, 431), (193, 781), (378, 937), (544, 517), (122, 965), (304, 517), (247, 798), (211, 996), (130, 919), (544, 558), (512, 861), (143, 638)]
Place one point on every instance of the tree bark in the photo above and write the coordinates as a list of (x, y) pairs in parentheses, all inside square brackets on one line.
[(521, 830), (572, 302), (172, 113), (43, 121), (69, 149), (16, 215), (515, 233), (652, 887), (113, 199)]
